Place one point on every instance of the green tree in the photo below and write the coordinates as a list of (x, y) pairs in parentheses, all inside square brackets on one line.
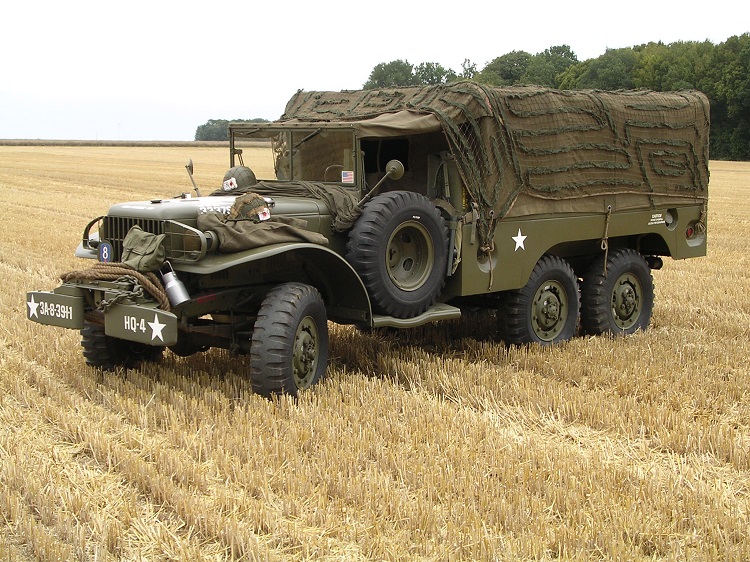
[(218, 129), (731, 114), (395, 73), (571, 76), (468, 70), (611, 71), (653, 65), (546, 68), (505, 70), (430, 73), (678, 66)]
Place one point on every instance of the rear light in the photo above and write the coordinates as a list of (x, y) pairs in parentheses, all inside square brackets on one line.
[(695, 234)]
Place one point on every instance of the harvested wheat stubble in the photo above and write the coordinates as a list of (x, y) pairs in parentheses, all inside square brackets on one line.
[(431, 444)]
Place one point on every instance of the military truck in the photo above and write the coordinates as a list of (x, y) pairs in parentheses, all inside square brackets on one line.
[(395, 208)]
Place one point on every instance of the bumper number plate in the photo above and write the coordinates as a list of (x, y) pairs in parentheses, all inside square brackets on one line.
[(142, 324), (54, 309)]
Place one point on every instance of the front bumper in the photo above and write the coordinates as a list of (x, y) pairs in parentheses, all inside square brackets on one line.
[(67, 307)]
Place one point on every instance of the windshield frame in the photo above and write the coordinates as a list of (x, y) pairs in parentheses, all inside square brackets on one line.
[(299, 133)]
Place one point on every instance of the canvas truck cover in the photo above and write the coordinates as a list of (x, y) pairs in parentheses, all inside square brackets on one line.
[(531, 150)]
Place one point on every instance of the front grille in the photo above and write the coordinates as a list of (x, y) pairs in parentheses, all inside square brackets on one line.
[(114, 230)]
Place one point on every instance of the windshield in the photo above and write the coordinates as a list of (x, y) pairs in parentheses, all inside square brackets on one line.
[(310, 154)]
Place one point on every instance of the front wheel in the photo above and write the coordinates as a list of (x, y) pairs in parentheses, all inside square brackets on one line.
[(105, 352), (620, 301), (545, 311), (289, 349)]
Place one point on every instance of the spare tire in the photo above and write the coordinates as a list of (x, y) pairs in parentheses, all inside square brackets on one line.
[(399, 247)]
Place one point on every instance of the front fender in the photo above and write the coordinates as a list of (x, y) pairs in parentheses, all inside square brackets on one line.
[(342, 290)]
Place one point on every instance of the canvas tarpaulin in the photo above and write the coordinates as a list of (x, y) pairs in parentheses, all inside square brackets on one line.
[(341, 202), (239, 235), (532, 150), (396, 124)]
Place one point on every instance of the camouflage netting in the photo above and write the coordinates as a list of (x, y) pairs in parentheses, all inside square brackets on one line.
[(532, 150)]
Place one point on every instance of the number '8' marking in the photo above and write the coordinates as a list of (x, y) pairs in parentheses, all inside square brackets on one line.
[(105, 252)]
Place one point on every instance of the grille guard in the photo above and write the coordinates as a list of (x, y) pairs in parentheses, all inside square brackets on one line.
[(182, 243)]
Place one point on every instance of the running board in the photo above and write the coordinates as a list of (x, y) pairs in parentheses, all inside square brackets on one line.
[(433, 314)]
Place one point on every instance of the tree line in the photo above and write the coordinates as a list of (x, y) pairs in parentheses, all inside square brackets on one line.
[(218, 129), (721, 71)]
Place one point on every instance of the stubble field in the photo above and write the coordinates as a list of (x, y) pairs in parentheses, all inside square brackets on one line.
[(432, 444)]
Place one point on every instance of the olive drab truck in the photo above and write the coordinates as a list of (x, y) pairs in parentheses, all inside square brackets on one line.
[(395, 208)]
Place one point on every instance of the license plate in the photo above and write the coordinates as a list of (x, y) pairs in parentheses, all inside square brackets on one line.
[(54, 309)]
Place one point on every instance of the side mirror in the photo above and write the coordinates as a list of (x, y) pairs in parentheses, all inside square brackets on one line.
[(189, 168), (394, 169)]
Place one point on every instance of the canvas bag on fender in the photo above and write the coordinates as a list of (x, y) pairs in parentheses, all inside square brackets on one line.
[(142, 250)]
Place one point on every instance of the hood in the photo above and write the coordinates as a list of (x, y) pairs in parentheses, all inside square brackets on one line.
[(186, 210)]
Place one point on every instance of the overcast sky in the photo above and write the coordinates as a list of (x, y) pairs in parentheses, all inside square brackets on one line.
[(155, 70)]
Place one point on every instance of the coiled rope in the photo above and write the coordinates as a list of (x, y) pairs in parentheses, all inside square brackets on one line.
[(117, 271)]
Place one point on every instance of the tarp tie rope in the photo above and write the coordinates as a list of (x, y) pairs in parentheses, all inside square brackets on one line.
[(700, 226), (605, 238), (488, 249), (489, 246)]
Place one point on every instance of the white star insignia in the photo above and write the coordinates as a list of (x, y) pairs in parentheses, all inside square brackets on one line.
[(156, 328), (32, 307), (520, 240)]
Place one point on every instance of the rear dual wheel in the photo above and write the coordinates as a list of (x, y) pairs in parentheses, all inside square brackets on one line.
[(620, 301)]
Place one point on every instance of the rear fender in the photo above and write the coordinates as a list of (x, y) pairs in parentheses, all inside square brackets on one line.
[(342, 290)]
